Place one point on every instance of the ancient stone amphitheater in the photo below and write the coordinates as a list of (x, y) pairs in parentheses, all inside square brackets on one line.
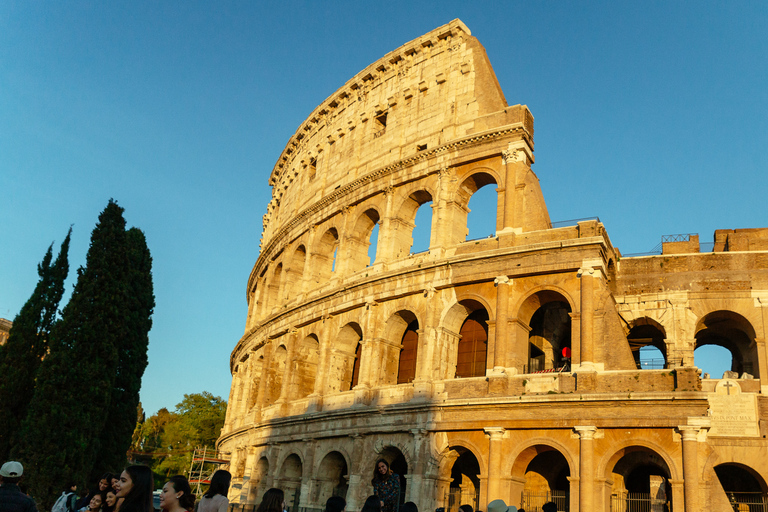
[(506, 367)]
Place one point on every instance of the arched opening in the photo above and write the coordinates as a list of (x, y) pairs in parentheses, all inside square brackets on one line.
[(550, 334), (399, 466), (545, 472), (295, 273), (289, 480), (473, 345), (465, 481), (360, 241), (256, 485), (481, 200), (734, 333), (646, 341), (406, 368), (744, 487), (412, 228), (345, 360), (306, 366), (640, 481), (332, 476), (278, 365), (325, 256), (398, 353)]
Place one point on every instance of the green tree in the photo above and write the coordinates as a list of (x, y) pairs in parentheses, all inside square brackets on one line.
[(171, 437), (21, 356), (61, 434), (115, 438)]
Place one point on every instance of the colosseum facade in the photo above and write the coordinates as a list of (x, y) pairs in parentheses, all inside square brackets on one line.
[(505, 367)]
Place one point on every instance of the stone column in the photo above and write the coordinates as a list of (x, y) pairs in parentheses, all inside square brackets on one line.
[(496, 434), (510, 180), (586, 470), (690, 434), (384, 248), (262, 396), (419, 441), (286, 384), (502, 315), (316, 399), (308, 476), (357, 484), (586, 351)]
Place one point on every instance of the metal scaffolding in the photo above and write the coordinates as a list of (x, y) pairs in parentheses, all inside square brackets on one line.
[(204, 463)]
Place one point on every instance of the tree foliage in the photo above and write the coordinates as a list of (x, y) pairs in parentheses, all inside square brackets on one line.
[(171, 437), (21, 356), (62, 434)]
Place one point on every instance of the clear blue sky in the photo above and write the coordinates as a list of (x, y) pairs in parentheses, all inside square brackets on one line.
[(651, 115)]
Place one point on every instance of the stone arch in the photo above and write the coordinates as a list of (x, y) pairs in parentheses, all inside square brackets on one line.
[(257, 373), (307, 360), (345, 358), (540, 473), (470, 185), (360, 239), (403, 223), (325, 255), (289, 478), (462, 470), (645, 332), (544, 317), (466, 328), (733, 332), (399, 348), (257, 483), (332, 476), (639, 466), (465, 304), (743, 486), (294, 274)]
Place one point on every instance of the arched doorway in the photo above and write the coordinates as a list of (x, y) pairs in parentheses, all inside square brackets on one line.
[(640, 481), (473, 345), (289, 481), (332, 475), (545, 472), (256, 485), (548, 315), (744, 488), (465, 481)]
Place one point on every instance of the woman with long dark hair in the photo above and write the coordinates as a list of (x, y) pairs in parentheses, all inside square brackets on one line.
[(135, 488), (110, 500), (386, 485), (177, 496), (215, 499), (273, 501)]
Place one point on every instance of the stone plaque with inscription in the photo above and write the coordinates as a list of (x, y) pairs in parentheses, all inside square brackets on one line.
[(733, 413)]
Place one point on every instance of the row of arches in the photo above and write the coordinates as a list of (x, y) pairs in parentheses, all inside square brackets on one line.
[(635, 476), (295, 367), (727, 330), (381, 229)]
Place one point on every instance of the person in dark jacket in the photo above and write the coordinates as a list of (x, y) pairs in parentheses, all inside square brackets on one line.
[(11, 497)]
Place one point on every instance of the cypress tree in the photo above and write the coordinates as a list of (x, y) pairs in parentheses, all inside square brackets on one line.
[(59, 437), (115, 438), (27, 344)]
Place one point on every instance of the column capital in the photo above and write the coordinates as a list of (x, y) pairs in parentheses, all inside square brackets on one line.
[(495, 433), (502, 280), (586, 432), (689, 432), (589, 271)]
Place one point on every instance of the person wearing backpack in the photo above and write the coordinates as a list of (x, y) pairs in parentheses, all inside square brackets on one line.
[(67, 500)]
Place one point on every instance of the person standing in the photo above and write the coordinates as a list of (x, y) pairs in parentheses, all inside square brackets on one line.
[(11, 497), (135, 488), (215, 499), (386, 485)]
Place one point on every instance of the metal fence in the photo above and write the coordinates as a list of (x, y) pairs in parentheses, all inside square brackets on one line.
[(637, 502), (533, 500), (455, 497), (748, 501)]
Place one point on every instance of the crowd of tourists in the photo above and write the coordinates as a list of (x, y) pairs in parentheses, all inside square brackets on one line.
[(132, 491)]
